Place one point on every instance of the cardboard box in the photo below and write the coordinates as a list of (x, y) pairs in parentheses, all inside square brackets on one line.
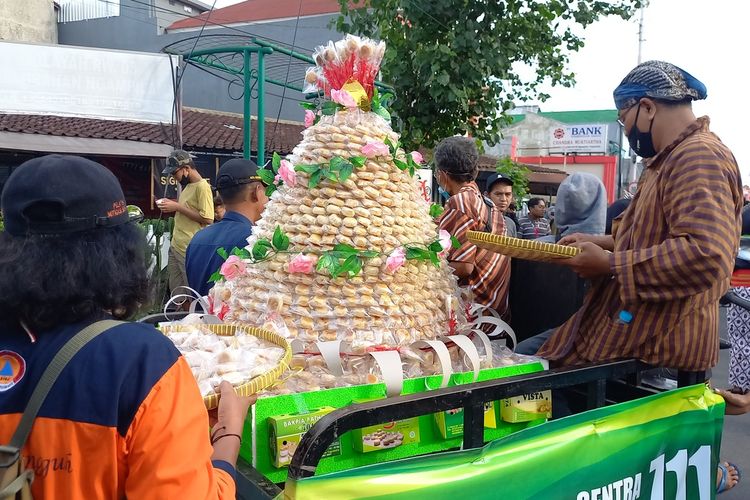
[(255, 447), (527, 407), (450, 423), (386, 436), (286, 432)]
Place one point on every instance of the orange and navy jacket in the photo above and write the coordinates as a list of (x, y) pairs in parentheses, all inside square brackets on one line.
[(124, 419)]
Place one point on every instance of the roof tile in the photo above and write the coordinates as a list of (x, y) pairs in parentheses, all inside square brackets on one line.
[(200, 129)]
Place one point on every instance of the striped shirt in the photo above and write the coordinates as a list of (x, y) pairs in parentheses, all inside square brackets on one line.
[(529, 229), (489, 281), (674, 254)]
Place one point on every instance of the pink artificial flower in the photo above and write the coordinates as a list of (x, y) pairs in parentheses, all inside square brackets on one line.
[(232, 267), (376, 148), (417, 157), (301, 264), (287, 173), (344, 98), (444, 237), (309, 118), (396, 259)]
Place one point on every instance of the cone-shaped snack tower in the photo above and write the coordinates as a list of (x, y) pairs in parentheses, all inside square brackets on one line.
[(346, 248)]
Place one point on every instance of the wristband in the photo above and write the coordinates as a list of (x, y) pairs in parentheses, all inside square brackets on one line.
[(214, 440)]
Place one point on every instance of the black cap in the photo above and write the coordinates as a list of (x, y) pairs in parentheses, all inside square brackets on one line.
[(58, 194), (235, 172), (177, 159), (492, 179)]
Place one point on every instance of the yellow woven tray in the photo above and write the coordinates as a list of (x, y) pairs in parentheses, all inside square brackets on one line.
[(522, 249), (258, 383)]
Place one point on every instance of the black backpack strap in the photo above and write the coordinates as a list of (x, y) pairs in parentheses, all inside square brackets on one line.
[(488, 203), (49, 377)]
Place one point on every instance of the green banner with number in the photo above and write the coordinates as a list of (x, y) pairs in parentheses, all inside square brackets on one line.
[(661, 447)]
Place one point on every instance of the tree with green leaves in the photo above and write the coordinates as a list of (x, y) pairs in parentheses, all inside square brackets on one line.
[(453, 63), (516, 172)]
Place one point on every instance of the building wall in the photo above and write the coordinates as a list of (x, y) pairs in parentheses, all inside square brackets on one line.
[(136, 29), (28, 21), (164, 18)]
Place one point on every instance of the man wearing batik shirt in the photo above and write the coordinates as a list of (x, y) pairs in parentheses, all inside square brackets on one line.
[(485, 273), (658, 279)]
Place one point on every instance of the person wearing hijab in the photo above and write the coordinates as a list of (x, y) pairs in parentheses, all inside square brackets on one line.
[(581, 206)]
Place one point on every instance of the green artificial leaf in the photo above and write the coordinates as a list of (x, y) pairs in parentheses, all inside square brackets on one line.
[(222, 253), (411, 170), (280, 241), (270, 190), (369, 254), (387, 96), (330, 108), (402, 165), (336, 163), (455, 243), (435, 259), (345, 172), (215, 277), (382, 112), (345, 249), (331, 176), (392, 147), (242, 253), (260, 249), (308, 105), (436, 210), (266, 176), (358, 161), (315, 178), (308, 169), (352, 265), (325, 261), (276, 161), (435, 246), (334, 269), (416, 253)]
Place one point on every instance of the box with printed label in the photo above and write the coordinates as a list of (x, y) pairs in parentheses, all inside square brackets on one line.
[(286, 432), (527, 407), (385, 436), (450, 423)]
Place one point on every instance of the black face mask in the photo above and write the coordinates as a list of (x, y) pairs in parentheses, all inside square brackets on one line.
[(641, 142), (185, 180)]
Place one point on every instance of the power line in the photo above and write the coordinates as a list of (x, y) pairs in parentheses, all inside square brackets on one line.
[(234, 81), (286, 79), (197, 39), (148, 8), (214, 23)]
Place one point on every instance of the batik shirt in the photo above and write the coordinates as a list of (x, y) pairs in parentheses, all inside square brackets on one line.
[(489, 281), (674, 254)]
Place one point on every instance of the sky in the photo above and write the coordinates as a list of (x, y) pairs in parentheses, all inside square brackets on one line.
[(707, 38)]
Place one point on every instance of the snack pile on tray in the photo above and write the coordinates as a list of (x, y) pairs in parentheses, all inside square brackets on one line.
[(394, 290), (235, 358)]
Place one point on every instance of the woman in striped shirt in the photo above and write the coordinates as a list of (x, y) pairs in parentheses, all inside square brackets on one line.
[(486, 273)]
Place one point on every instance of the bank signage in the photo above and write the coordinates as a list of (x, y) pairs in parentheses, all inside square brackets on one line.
[(579, 138)]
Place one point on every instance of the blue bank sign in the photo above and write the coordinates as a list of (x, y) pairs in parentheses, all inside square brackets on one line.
[(581, 138)]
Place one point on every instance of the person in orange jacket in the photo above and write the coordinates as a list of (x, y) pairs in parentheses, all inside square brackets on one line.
[(125, 419)]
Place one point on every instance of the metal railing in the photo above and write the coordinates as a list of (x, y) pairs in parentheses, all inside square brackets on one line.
[(471, 398)]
